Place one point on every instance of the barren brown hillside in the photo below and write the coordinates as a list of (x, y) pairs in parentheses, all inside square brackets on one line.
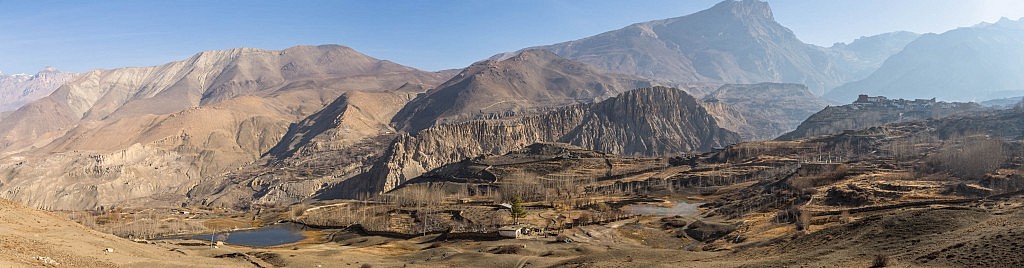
[(33, 238), (147, 134), (530, 82)]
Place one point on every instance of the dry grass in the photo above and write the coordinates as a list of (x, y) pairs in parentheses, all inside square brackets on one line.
[(136, 224), (807, 181)]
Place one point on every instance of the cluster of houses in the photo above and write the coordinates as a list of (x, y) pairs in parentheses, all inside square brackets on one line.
[(882, 101)]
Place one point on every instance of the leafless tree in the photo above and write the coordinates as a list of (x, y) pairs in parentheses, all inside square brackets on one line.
[(969, 157)]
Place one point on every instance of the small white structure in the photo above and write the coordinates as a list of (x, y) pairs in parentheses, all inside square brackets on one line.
[(512, 231)]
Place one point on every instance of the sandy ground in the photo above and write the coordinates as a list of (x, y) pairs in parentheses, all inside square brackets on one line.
[(30, 237)]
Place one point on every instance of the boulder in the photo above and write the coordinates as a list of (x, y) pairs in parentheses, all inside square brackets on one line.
[(708, 231), (674, 222)]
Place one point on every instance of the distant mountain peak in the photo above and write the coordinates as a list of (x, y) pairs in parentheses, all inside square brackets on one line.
[(18, 89), (967, 63), (744, 9), (1007, 22), (47, 71), (734, 41), (1003, 22)]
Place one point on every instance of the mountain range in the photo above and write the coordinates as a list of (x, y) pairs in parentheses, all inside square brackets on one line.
[(864, 55), (275, 127), (117, 135), (18, 89), (731, 42), (975, 63), (698, 140)]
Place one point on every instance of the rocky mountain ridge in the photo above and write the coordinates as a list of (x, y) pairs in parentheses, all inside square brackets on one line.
[(18, 89), (527, 83), (731, 42), (146, 135), (355, 115)]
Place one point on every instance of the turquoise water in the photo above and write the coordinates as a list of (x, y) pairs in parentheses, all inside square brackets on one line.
[(271, 235)]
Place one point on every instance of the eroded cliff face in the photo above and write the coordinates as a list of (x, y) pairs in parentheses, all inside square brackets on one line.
[(313, 161), (77, 180), (651, 121)]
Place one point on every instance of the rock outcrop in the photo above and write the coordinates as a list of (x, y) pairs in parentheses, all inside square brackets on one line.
[(651, 121), (708, 231)]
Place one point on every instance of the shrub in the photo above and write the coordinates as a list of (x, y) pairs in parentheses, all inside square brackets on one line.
[(880, 261), (822, 178)]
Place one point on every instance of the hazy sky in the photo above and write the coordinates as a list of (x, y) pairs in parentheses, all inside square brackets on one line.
[(431, 35)]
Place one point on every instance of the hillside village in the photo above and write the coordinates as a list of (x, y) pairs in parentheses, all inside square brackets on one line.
[(916, 104)]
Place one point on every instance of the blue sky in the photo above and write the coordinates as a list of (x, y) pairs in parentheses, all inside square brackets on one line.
[(431, 35)]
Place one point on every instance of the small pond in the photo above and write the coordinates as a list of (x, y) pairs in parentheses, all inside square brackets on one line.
[(271, 235), (677, 208)]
